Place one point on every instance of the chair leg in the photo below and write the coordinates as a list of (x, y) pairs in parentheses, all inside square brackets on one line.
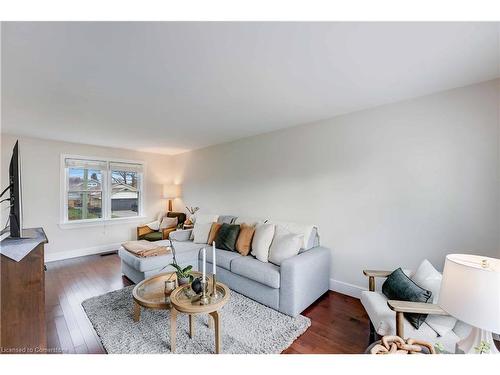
[(372, 333)]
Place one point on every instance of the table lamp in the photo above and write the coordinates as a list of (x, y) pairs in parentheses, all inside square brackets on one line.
[(171, 192), (470, 292)]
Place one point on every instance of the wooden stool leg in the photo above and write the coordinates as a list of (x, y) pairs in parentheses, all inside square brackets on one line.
[(215, 315), (173, 328), (210, 321), (191, 326), (137, 312)]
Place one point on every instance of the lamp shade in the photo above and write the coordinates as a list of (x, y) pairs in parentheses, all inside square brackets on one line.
[(470, 290), (171, 191)]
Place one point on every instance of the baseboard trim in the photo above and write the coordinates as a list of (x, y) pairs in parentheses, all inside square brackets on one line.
[(61, 255), (346, 288)]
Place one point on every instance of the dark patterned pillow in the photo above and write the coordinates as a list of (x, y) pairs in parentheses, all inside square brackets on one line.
[(226, 237), (400, 287)]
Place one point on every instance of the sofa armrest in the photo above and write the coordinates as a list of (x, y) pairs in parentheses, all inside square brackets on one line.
[(180, 235), (166, 232), (372, 274), (142, 231), (303, 279), (401, 307)]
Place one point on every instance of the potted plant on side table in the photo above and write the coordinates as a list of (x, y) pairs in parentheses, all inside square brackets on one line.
[(184, 275)]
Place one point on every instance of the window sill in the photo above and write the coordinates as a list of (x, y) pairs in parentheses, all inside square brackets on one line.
[(100, 223)]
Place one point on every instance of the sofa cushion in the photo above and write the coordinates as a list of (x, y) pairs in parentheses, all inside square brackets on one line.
[(249, 220), (153, 236), (264, 273), (223, 259), (228, 219), (226, 237)]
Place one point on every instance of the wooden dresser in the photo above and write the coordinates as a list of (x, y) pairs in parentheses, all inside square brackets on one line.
[(22, 293)]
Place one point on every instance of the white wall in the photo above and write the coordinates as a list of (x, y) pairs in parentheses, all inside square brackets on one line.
[(387, 187), (41, 194)]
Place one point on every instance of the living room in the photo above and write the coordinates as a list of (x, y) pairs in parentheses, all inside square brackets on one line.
[(250, 188)]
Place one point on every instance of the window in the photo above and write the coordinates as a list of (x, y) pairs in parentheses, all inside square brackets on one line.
[(97, 190), (124, 190)]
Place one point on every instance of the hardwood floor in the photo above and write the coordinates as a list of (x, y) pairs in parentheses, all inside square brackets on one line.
[(339, 322)]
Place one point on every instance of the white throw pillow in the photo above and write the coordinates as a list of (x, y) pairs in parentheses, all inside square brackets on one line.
[(285, 245), (201, 232), (307, 231), (429, 278), (262, 239), (201, 219), (169, 222), (154, 225)]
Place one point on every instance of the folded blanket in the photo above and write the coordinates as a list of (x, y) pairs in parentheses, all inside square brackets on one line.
[(145, 248)]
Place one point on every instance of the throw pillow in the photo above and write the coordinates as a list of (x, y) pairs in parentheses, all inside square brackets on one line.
[(169, 222), (213, 232), (400, 287), (262, 239), (203, 219), (285, 245), (244, 241), (429, 278), (201, 232), (226, 237)]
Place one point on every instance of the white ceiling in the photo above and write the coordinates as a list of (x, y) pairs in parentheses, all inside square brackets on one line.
[(174, 86)]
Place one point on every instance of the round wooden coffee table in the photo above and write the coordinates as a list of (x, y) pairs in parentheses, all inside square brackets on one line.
[(184, 303), (150, 293)]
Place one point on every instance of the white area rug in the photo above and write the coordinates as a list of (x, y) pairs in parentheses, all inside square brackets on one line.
[(247, 327)]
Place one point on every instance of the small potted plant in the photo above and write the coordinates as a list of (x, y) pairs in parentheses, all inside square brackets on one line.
[(184, 275)]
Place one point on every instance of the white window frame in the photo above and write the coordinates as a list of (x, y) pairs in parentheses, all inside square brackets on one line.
[(106, 218)]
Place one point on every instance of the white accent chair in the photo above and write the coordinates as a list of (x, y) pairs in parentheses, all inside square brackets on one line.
[(386, 316)]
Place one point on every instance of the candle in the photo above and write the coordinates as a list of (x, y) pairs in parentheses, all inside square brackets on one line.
[(203, 274), (213, 257)]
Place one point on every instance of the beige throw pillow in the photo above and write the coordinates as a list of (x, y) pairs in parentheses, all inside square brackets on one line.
[(285, 245), (244, 241), (261, 241)]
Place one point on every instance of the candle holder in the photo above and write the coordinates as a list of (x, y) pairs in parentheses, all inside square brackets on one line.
[(204, 300), (214, 294)]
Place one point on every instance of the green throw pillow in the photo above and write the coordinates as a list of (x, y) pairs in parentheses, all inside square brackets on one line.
[(400, 287), (226, 237)]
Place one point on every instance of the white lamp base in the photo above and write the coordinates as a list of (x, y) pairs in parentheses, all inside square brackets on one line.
[(476, 336)]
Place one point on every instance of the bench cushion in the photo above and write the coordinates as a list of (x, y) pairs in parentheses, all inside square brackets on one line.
[(264, 273), (153, 236)]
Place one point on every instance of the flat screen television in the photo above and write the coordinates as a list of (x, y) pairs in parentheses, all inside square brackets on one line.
[(15, 190)]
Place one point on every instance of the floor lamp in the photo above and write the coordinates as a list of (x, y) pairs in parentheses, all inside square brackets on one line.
[(470, 291)]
